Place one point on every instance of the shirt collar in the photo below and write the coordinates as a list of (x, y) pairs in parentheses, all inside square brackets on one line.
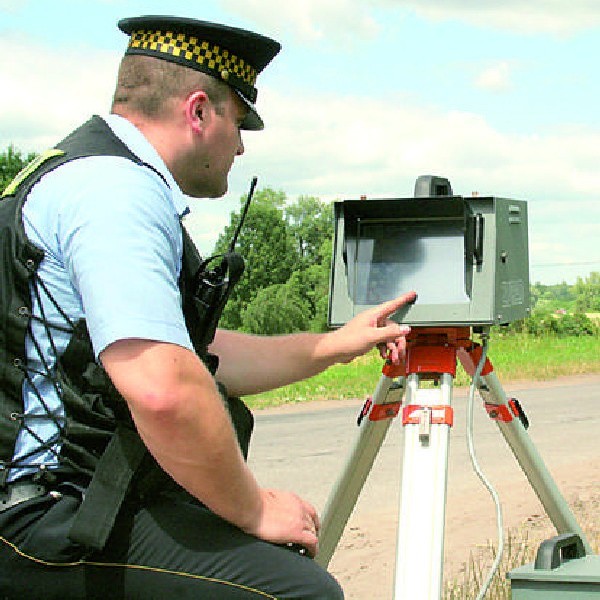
[(135, 140)]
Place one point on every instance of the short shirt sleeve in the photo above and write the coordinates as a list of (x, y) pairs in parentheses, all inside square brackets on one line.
[(120, 239)]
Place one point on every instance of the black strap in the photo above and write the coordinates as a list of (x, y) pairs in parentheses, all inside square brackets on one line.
[(106, 492)]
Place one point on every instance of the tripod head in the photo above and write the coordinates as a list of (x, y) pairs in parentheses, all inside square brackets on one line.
[(466, 257)]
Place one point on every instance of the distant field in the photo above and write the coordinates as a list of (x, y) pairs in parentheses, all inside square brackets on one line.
[(515, 357)]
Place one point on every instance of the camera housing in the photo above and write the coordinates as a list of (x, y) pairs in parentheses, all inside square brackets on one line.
[(466, 257)]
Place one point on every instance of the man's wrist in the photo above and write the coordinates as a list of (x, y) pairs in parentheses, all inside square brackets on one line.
[(253, 513), (329, 349)]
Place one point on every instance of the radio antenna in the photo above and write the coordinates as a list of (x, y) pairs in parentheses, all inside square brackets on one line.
[(244, 213)]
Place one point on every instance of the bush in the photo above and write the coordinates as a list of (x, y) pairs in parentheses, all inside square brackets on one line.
[(546, 323)]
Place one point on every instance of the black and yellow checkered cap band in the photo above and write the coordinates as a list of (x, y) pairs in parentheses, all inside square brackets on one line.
[(202, 55)]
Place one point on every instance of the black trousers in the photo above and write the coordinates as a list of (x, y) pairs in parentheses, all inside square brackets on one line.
[(169, 547)]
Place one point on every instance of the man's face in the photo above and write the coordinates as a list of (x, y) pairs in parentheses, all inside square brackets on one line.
[(221, 143)]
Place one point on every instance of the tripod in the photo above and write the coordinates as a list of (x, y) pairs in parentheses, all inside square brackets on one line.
[(427, 416)]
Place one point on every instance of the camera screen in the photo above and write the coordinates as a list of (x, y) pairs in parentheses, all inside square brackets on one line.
[(392, 258)]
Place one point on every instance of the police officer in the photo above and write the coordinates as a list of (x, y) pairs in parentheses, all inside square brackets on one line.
[(122, 437)]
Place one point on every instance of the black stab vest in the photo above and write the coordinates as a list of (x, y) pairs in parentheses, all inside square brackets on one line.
[(94, 408)]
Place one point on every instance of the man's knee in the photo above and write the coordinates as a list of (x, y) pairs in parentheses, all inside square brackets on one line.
[(326, 588), (312, 582)]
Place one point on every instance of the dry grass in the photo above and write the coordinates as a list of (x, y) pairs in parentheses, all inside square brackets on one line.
[(520, 548)]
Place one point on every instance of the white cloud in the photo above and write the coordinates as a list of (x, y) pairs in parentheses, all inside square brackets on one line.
[(340, 146), (11, 5), (46, 92), (495, 78), (342, 20), (534, 16), (338, 141), (310, 20)]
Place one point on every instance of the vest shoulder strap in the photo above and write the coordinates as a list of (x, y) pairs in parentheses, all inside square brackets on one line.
[(93, 138)]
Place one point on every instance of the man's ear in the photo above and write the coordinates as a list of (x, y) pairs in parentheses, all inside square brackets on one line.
[(197, 110)]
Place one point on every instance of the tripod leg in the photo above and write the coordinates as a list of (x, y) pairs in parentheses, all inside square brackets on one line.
[(525, 452), (375, 421), (419, 559)]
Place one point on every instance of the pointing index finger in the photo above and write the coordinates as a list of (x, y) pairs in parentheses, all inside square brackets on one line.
[(391, 306)]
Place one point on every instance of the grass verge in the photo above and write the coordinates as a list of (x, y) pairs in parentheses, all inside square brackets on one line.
[(515, 357)]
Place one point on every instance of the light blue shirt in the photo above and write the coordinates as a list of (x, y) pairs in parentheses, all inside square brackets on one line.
[(112, 242)]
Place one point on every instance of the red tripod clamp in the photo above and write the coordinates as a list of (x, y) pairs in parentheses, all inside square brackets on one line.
[(431, 351), (506, 412), (440, 415)]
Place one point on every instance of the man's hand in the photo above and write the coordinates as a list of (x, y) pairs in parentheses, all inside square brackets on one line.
[(374, 328), (286, 518), (250, 364)]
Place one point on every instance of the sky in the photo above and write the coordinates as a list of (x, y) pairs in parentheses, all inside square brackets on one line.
[(501, 98)]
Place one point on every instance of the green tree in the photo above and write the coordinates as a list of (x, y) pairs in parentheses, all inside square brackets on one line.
[(268, 250), (287, 250), (311, 222), (587, 293), (552, 297), (301, 304), (279, 308), (313, 281), (11, 162)]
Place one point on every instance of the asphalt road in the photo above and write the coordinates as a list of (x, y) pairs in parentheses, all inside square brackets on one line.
[(304, 448)]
